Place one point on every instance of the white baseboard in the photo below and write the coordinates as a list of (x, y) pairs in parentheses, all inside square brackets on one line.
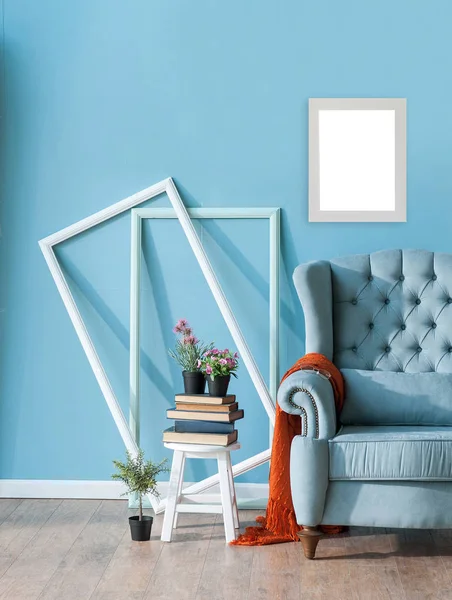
[(60, 488), (249, 495)]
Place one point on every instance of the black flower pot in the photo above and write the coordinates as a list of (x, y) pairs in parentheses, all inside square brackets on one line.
[(219, 385), (194, 382), (140, 530)]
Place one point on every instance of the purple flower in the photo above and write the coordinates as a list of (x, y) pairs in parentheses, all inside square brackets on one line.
[(236, 355), (225, 351), (223, 361), (208, 369), (190, 340)]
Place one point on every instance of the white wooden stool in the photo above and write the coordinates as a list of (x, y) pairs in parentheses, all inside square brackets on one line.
[(174, 504)]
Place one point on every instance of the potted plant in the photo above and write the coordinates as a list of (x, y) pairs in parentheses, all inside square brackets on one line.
[(139, 475), (187, 354), (218, 366)]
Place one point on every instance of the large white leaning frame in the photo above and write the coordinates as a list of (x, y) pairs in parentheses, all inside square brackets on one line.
[(127, 436), (268, 399)]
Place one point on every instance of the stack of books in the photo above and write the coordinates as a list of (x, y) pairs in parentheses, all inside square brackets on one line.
[(203, 419)]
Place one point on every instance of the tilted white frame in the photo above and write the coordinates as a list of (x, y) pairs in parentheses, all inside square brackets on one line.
[(47, 244), (268, 399)]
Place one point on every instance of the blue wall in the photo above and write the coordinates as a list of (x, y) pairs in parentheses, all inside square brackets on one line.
[(102, 98)]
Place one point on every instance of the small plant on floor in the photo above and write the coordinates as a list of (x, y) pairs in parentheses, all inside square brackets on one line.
[(187, 354), (218, 366), (140, 477)]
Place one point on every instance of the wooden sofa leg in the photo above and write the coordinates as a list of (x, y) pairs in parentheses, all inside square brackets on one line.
[(310, 537)]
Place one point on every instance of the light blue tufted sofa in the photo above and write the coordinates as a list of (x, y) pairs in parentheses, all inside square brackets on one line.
[(385, 320)]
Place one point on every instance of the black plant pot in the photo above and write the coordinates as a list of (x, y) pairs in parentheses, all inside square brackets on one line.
[(218, 386), (194, 382), (140, 530)]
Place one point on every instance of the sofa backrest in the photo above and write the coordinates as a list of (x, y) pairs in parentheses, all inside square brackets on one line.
[(388, 311), (394, 398)]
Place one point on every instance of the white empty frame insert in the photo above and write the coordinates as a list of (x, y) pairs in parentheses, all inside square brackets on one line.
[(357, 159)]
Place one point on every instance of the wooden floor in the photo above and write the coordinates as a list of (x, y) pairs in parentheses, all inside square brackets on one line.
[(81, 549)]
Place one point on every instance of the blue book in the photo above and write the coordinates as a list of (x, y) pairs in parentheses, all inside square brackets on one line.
[(203, 427)]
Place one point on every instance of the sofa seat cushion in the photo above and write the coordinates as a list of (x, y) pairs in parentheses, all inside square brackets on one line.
[(411, 452)]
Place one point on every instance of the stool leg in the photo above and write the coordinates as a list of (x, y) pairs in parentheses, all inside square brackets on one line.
[(179, 491), (233, 495), (226, 501), (171, 500)]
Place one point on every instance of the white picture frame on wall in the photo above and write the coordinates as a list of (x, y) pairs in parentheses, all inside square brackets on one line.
[(357, 159)]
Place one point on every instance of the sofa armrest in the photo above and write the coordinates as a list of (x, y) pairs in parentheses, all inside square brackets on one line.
[(310, 395)]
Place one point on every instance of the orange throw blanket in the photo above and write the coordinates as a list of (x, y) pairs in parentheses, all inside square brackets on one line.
[(279, 524)]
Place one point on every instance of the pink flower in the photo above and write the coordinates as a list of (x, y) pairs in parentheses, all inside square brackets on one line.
[(208, 369), (215, 351), (181, 326), (223, 361), (225, 351), (188, 331), (208, 353), (236, 355), (190, 340), (198, 364)]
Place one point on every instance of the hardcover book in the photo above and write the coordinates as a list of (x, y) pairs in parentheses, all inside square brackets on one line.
[(205, 399), (172, 413), (212, 408), (203, 427), (215, 439)]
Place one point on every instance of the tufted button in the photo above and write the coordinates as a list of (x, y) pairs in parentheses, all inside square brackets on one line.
[(371, 325), (370, 278), (419, 349), (434, 278), (449, 349), (388, 349), (387, 301), (354, 349), (433, 325), (354, 301), (449, 301), (402, 278), (403, 327), (418, 301)]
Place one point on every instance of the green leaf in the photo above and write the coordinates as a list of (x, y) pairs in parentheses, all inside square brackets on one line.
[(139, 475)]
